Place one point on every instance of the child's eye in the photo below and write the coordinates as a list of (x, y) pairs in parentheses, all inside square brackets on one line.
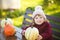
[(40, 17), (36, 18)]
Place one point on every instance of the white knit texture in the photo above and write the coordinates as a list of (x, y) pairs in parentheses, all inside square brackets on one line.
[(38, 10)]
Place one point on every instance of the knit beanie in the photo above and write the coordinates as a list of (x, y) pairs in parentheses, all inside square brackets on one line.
[(38, 10)]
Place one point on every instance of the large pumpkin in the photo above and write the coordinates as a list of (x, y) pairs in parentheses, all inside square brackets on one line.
[(31, 33), (9, 30)]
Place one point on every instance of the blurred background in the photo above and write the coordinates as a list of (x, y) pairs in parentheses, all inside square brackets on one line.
[(15, 9)]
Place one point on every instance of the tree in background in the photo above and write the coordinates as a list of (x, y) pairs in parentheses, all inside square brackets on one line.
[(49, 6), (52, 7)]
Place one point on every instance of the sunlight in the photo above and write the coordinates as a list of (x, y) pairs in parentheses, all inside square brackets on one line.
[(30, 3)]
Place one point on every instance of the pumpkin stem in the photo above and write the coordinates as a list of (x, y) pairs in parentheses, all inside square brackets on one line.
[(6, 18), (31, 26)]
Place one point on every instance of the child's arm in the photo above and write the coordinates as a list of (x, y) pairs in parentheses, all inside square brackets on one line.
[(24, 28), (47, 33), (39, 37)]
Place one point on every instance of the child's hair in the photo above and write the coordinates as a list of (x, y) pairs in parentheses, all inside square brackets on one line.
[(46, 20)]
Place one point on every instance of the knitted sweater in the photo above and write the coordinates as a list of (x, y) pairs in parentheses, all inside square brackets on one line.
[(44, 30)]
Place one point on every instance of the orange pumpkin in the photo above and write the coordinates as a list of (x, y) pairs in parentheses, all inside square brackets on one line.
[(9, 30)]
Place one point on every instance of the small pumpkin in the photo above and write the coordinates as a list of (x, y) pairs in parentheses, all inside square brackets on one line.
[(4, 21), (9, 30), (31, 33)]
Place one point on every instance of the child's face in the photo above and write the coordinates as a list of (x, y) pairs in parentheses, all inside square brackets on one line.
[(38, 19)]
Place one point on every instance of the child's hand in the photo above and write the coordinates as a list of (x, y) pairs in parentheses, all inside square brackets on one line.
[(39, 37), (23, 32)]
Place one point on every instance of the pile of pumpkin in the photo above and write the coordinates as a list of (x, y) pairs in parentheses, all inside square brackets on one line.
[(31, 33), (8, 27)]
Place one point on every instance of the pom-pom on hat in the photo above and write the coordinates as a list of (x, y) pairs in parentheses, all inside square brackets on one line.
[(38, 10)]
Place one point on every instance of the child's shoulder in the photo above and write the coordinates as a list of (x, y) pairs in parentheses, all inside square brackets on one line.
[(47, 24)]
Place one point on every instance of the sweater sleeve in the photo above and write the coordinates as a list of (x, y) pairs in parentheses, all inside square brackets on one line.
[(47, 33)]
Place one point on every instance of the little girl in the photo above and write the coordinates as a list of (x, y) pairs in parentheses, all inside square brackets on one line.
[(41, 23)]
